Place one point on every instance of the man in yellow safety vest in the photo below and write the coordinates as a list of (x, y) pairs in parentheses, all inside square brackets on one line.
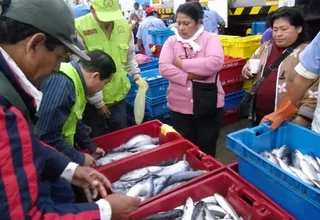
[(106, 29), (60, 113)]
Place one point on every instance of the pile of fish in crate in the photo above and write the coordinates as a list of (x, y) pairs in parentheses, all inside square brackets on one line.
[(175, 180), (284, 164)]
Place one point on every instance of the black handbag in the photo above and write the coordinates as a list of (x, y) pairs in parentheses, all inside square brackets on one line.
[(247, 106)]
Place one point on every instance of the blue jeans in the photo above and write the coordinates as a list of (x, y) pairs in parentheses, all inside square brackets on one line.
[(61, 192)]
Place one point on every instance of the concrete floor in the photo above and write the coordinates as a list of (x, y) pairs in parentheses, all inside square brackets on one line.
[(223, 153)]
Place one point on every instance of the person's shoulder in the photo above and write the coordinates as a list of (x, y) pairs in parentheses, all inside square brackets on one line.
[(206, 35), (57, 79)]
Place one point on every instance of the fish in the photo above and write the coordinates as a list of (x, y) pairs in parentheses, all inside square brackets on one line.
[(142, 189), (284, 166), (217, 210), (318, 160), (226, 206), (198, 211), (159, 184), (135, 175), (310, 171), (312, 161), (210, 200), (173, 214), (207, 214), (171, 186), (301, 175), (185, 176), (282, 152), (295, 160), (135, 142), (287, 160), (181, 166), (188, 209), (144, 148), (271, 158), (111, 157)]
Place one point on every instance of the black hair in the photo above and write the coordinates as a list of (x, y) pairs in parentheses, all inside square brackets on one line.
[(191, 9), (100, 62), (269, 17), (136, 4), (293, 16), (11, 32)]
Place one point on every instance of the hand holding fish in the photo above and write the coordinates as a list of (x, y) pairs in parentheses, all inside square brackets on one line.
[(122, 206), (92, 181)]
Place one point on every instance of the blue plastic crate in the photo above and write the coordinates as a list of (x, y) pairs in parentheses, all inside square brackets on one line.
[(156, 106), (160, 35), (297, 197), (153, 64), (164, 118), (233, 100), (258, 27)]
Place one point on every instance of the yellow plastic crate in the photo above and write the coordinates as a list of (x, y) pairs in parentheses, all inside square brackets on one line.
[(224, 38), (242, 47)]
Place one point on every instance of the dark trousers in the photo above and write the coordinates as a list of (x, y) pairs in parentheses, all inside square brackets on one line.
[(202, 131), (118, 119)]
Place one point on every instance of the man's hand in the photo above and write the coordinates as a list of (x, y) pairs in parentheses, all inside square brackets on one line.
[(91, 181), (99, 153), (195, 77), (178, 62), (104, 111), (122, 206), (89, 161)]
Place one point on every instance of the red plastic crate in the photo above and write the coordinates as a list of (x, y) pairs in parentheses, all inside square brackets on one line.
[(152, 128), (247, 202), (230, 75), (157, 52), (231, 116), (233, 169), (197, 160)]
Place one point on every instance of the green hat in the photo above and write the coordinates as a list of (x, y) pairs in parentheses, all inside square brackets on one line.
[(107, 10), (53, 17)]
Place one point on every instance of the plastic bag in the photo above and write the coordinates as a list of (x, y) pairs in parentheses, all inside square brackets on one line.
[(140, 101)]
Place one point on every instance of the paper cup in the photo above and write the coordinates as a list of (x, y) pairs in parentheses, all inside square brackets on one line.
[(254, 65)]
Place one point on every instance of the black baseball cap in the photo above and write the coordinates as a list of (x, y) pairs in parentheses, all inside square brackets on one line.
[(53, 17)]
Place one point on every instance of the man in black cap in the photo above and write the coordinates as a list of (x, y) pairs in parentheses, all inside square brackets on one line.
[(33, 42)]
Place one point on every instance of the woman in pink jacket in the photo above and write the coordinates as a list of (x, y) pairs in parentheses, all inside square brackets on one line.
[(191, 60)]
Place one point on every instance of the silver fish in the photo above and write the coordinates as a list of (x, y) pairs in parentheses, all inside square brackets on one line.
[(143, 189), (159, 184), (318, 160), (287, 160), (301, 175), (198, 211), (271, 158), (135, 142), (220, 212), (171, 186), (188, 209), (295, 160), (282, 152), (172, 170), (310, 171), (210, 200), (174, 214), (226, 206), (135, 175), (185, 176), (111, 157), (312, 161), (285, 167), (207, 214), (144, 148), (299, 154)]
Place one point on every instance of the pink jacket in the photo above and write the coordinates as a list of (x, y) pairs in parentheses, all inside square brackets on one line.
[(207, 62)]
